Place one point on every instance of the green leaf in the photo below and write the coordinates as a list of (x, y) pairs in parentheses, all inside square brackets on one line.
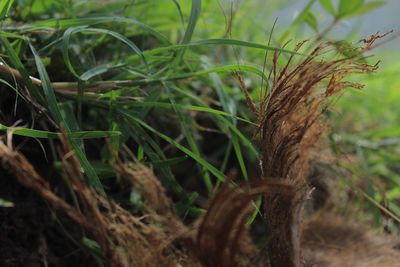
[(15, 60), (5, 6), (239, 156), (220, 176), (194, 16), (311, 21), (223, 122), (349, 7), (328, 6), (103, 170), (167, 162), (6, 204), (98, 70), (184, 206), (21, 131), (367, 7), (186, 127), (187, 107), (178, 6), (114, 125), (241, 43), (257, 210), (13, 35), (221, 69), (153, 151), (66, 23), (52, 105), (300, 18), (229, 106), (383, 133), (216, 41), (74, 30), (94, 248)]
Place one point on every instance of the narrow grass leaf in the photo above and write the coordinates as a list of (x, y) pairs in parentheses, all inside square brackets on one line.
[(188, 133), (178, 7), (14, 58), (13, 35), (217, 41), (52, 105), (167, 162), (67, 23), (54, 135), (194, 16), (98, 70), (220, 176), (69, 32), (154, 152), (328, 6), (187, 107), (5, 6)]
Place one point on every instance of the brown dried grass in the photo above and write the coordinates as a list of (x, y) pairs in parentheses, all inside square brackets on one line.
[(289, 126), (124, 239)]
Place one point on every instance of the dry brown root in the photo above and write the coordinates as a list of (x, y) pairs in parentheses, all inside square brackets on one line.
[(125, 240), (332, 241)]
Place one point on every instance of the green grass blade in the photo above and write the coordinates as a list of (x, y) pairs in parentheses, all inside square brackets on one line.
[(13, 35), (5, 6), (187, 107), (54, 135), (50, 97), (167, 162), (239, 156), (98, 70), (208, 42), (52, 105), (220, 176), (300, 18), (194, 16), (69, 32), (20, 67), (67, 23), (154, 152), (229, 106), (178, 6), (223, 123), (188, 133), (221, 69)]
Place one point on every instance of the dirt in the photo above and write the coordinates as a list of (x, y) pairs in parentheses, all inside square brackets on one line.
[(19, 243), (32, 235), (333, 241)]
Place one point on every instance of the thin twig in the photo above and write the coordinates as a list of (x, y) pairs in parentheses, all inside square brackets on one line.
[(66, 86)]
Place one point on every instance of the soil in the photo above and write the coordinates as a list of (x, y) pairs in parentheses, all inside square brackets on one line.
[(32, 235)]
